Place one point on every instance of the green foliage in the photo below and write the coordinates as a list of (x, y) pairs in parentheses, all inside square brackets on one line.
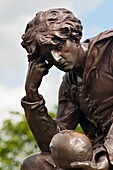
[(79, 129), (16, 142)]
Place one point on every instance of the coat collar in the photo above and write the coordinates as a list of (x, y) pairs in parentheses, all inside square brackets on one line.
[(95, 53)]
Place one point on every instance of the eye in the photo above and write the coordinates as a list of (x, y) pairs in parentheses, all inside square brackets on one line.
[(59, 48), (56, 39), (74, 36), (65, 31)]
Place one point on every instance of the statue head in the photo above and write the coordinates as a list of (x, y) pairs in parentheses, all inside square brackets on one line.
[(69, 146), (50, 29)]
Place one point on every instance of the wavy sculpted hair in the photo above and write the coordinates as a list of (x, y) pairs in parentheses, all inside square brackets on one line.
[(51, 28)]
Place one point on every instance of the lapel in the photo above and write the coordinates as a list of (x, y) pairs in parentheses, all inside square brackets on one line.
[(97, 46)]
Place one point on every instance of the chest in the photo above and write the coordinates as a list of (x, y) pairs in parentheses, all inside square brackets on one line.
[(99, 89)]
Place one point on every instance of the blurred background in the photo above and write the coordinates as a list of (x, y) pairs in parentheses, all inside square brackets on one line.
[(96, 16)]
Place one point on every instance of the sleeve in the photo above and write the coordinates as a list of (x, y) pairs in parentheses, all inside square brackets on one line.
[(68, 110), (109, 142), (106, 147), (41, 124), (109, 138)]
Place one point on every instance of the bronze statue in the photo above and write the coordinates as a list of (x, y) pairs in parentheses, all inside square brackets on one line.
[(86, 92)]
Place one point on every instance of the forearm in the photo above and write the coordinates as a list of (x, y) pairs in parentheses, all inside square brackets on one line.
[(109, 144), (41, 124), (32, 94)]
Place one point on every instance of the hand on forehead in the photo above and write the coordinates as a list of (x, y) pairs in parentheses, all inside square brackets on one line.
[(51, 28)]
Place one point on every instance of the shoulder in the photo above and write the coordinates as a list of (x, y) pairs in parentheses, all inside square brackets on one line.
[(108, 34)]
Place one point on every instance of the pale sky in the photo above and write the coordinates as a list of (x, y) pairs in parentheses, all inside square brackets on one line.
[(96, 16)]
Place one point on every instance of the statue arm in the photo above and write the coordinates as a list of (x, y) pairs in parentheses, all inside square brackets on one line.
[(41, 124), (106, 149), (109, 142)]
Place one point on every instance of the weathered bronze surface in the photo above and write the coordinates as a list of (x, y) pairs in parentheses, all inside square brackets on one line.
[(86, 92)]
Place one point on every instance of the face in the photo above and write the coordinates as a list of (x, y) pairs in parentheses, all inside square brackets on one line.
[(65, 58)]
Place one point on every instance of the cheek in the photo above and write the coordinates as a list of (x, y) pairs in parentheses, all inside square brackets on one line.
[(70, 54), (71, 57), (74, 56), (66, 55)]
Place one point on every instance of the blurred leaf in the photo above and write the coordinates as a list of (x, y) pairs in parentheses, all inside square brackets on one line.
[(79, 129), (16, 142)]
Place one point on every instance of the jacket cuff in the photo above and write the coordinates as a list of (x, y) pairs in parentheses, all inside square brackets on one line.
[(32, 105), (98, 152), (109, 149)]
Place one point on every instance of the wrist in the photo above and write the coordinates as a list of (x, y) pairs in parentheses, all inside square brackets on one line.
[(32, 95), (31, 105)]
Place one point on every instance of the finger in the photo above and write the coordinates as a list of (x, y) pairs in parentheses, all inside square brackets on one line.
[(103, 165), (84, 165), (79, 164), (38, 62), (38, 67)]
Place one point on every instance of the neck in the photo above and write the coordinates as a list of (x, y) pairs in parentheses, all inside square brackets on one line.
[(82, 59)]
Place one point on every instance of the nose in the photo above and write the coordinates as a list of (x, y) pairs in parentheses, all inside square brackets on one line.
[(56, 55)]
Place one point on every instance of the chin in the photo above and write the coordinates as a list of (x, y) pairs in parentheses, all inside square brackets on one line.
[(66, 69)]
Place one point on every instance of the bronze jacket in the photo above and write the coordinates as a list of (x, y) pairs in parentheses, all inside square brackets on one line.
[(88, 101)]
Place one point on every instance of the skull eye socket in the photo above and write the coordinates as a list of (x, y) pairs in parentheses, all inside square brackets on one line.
[(59, 47), (56, 39), (65, 31)]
